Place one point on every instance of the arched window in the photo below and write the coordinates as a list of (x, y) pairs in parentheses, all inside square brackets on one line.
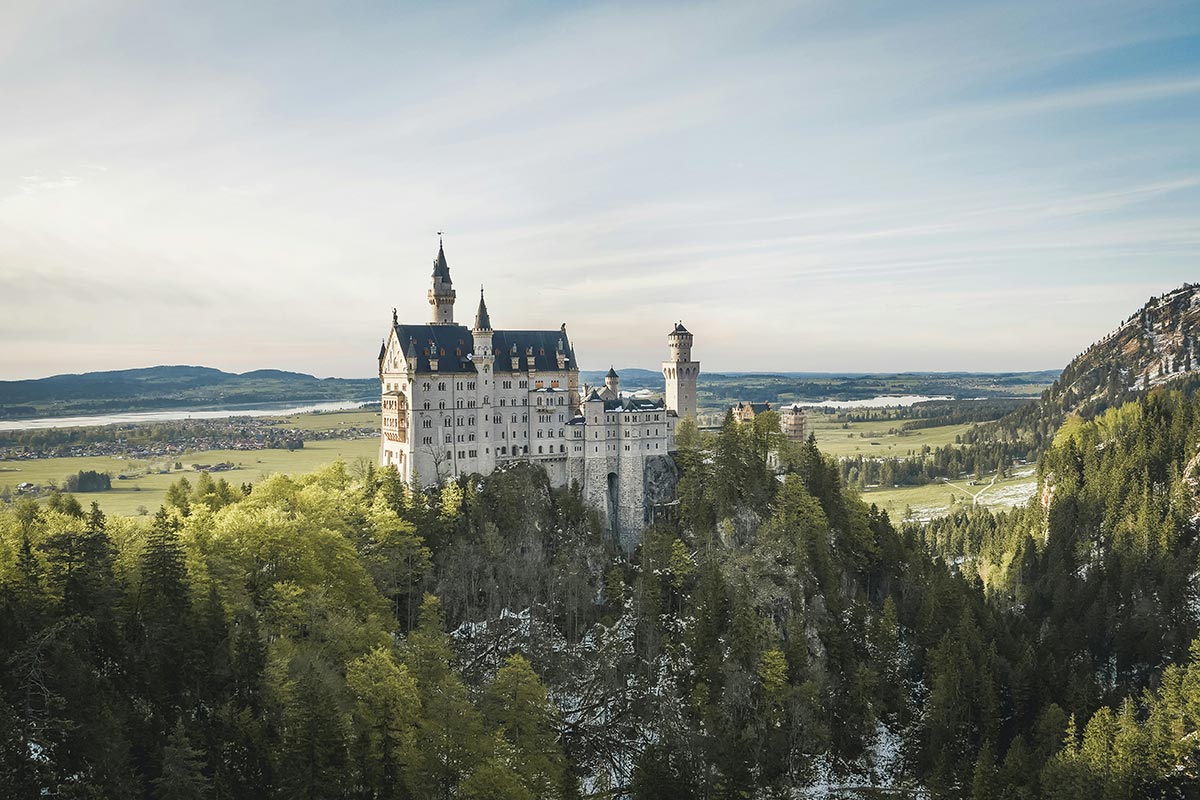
[(539, 449)]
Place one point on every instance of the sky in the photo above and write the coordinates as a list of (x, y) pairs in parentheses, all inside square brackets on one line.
[(808, 186)]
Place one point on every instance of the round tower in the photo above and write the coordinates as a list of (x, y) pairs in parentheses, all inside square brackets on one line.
[(680, 373), (441, 294), (612, 381)]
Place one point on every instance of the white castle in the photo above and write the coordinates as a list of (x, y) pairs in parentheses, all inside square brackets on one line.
[(460, 400)]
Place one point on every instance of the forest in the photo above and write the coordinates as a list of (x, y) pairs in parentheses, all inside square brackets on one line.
[(343, 635)]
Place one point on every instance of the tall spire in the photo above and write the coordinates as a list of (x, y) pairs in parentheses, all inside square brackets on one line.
[(440, 268), (441, 293), (482, 321)]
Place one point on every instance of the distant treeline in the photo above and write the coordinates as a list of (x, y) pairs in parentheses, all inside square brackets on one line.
[(61, 440)]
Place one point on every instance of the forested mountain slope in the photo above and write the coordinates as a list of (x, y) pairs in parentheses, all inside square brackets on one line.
[(1155, 345)]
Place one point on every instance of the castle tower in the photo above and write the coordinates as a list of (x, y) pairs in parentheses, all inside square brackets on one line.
[(680, 373), (441, 294)]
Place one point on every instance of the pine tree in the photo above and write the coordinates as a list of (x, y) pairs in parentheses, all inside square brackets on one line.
[(182, 775), (517, 706)]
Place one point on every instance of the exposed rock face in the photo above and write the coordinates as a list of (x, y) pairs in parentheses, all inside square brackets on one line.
[(660, 480)]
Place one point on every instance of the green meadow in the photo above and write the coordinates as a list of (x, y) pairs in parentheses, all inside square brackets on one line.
[(936, 499), (147, 480), (875, 438)]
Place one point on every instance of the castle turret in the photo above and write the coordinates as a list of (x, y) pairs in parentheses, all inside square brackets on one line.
[(680, 373), (441, 294), (612, 382)]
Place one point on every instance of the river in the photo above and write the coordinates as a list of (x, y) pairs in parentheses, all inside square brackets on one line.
[(134, 417)]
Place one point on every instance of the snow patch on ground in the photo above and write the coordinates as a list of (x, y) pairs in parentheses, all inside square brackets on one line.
[(880, 771)]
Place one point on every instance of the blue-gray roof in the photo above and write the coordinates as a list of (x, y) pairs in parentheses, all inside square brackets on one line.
[(452, 344)]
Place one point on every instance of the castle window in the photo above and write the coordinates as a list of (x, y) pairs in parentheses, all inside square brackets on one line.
[(470, 404), (441, 387), (470, 384), (449, 454), (427, 440), (501, 401), (428, 423), (486, 400), (539, 434), (470, 437), (539, 449), (523, 385), (449, 438), (524, 418), (514, 417), (508, 384), (462, 453), (426, 405), (473, 453), (441, 404), (470, 420), (539, 401), (626, 448), (446, 423)]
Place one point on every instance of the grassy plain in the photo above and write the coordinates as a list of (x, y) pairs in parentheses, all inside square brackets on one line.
[(879, 438), (936, 499), (330, 420), (873, 439), (147, 486)]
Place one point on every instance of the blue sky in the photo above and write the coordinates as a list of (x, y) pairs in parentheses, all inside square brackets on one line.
[(809, 186)]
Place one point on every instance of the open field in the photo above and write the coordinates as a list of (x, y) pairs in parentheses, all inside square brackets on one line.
[(935, 499), (147, 487), (872, 438), (330, 420)]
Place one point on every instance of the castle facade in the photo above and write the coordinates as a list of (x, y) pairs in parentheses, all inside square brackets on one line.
[(459, 400)]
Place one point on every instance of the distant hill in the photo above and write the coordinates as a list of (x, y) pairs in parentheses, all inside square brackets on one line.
[(171, 387)]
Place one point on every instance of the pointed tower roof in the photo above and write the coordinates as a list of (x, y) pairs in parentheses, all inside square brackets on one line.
[(612, 373), (440, 268), (482, 321)]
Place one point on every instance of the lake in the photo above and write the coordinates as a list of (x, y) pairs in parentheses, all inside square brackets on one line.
[(133, 417), (883, 401)]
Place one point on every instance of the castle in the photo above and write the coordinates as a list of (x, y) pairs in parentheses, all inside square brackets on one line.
[(459, 400)]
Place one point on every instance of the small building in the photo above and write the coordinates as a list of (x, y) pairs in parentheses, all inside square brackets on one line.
[(745, 412)]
